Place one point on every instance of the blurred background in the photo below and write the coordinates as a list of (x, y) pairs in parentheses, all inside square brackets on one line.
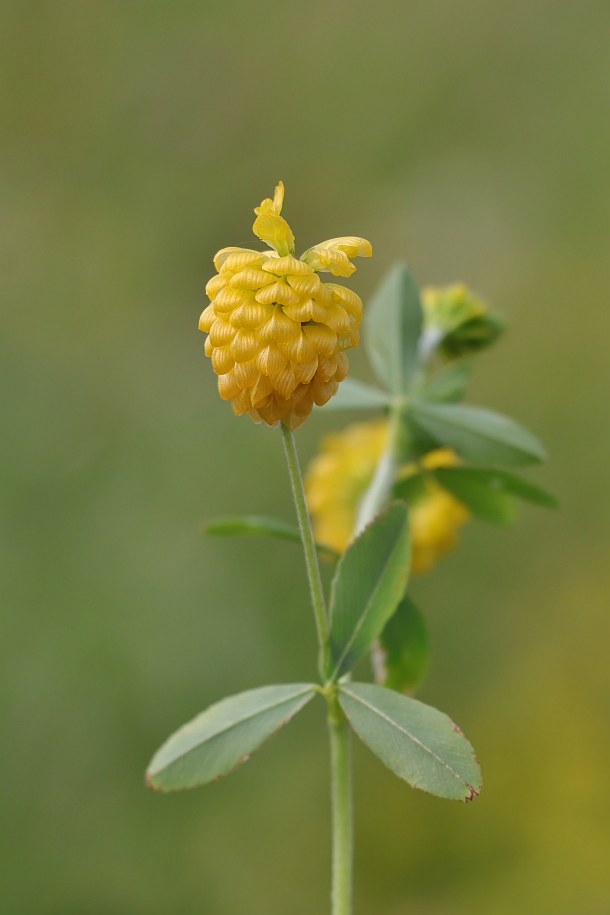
[(472, 140)]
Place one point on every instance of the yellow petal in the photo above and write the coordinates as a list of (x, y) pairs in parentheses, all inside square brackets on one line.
[(352, 245), (322, 338), (228, 386), (279, 328), (271, 362), (250, 314), (262, 388), (215, 285), (222, 256), (251, 278), (300, 349), (245, 346), (337, 319), (273, 229), (304, 371), (277, 293), (286, 382), (246, 374), (208, 316), (278, 197), (323, 391), (304, 285), (327, 368), (306, 311), (222, 360), (347, 298), (334, 255), (342, 367), (230, 298), (221, 332), (288, 265)]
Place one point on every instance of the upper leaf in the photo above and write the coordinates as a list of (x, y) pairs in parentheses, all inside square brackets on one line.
[(393, 325), (402, 657), (354, 394), (417, 742), (369, 582), (478, 434), (491, 493), (498, 480), (484, 501), (224, 736)]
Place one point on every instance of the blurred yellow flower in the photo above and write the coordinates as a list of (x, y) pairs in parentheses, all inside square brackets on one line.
[(340, 474), (276, 332)]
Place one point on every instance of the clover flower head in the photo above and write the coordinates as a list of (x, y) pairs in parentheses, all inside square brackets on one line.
[(277, 334), (340, 474)]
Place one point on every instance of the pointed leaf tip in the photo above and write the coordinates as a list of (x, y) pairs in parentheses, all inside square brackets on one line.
[(417, 742)]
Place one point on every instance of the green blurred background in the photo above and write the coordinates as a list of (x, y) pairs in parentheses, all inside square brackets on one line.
[(472, 139)]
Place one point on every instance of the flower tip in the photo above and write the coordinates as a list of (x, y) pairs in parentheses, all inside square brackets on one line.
[(278, 197)]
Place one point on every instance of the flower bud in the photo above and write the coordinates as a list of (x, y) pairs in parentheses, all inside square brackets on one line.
[(456, 322)]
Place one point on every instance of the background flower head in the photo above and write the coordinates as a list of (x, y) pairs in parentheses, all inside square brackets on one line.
[(340, 474)]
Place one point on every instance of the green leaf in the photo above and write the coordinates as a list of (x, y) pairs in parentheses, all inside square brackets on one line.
[(258, 525), (224, 736), (393, 324), (498, 480), (403, 648), (448, 385), (490, 493), (484, 501), (370, 580), (417, 742), (478, 434), (354, 394), (410, 488)]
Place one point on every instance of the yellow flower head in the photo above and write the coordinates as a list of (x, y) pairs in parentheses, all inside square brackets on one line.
[(340, 474), (276, 332)]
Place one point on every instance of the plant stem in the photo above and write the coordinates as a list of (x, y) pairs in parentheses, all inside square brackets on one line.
[(342, 818), (338, 729), (309, 547)]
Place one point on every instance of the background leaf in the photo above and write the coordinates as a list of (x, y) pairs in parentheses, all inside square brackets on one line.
[(224, 736), (370, 580), (448, 385), (403, 650), (354, 394), (478, 434), (499, 480), (484, 501), (417, 742), (489, 493), (411, 487), (393, 324)]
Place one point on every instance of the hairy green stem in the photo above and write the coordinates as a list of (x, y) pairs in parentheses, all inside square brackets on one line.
[(338, 729), (342, 816), (309, 547)]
